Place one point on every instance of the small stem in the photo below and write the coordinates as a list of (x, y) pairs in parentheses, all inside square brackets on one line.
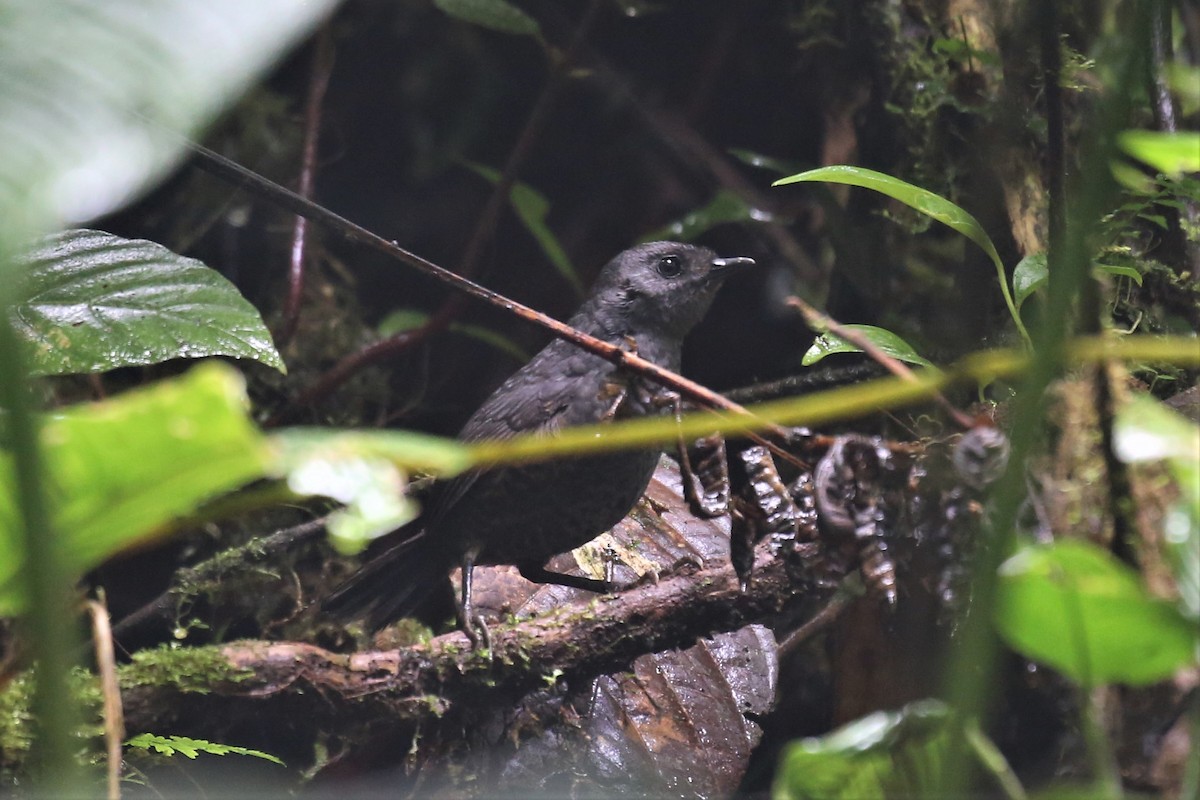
[(1099, 748), (995, 762), (1002, 277), (322, 66), (114, 713)]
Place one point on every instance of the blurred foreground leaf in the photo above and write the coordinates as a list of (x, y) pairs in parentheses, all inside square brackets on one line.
[(888, 754), (1146, 431), (95, 97), (118, 470), (366, 471), (1172, 154), (1075, 607)]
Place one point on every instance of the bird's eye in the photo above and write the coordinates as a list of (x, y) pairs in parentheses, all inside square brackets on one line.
[(670, 266)]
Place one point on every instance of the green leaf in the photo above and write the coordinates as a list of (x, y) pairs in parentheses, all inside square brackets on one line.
[(190, 748), (1132, 178), (496, 15), (532, 207), (364, 470), (960, 50), (881, 755), (1030, 275), (97, 96), (829, 343), (726, 207), (923, 200), (120, 469), (1119, 271), (402, 320), (1171, 154), (1075, 607), (1184, 80), (95, 302), (1145, 431)]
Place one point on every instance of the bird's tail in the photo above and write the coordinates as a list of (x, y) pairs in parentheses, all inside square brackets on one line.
[(392, 585)]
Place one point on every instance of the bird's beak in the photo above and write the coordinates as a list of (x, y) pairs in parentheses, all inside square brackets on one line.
[(729, 264)]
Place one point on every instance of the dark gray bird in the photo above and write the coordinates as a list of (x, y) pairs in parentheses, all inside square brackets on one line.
[(648, 297)]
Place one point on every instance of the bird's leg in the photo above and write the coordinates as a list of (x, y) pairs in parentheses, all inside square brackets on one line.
[(617, 394), (537, 573), (468, 621)]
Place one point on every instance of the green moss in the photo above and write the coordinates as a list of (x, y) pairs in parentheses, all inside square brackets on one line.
[(18, 730), (188, 669)]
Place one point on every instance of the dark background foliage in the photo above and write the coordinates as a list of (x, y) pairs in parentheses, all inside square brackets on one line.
[(639, 138)]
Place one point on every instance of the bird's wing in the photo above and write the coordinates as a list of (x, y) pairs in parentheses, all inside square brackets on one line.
[(549, 392), (542, 397)]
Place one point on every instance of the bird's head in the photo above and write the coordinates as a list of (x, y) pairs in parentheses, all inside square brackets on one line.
[(660, 287)]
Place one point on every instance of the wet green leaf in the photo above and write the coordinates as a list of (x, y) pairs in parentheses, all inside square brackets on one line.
[(829, 343), (1073, 606), (94, 302), (923, 200)]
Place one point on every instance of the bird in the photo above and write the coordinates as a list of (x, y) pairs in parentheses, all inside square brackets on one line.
[(647, 298)]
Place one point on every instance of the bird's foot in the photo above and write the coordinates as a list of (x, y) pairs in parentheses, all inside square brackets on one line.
[(476, 631), (469, 622)]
